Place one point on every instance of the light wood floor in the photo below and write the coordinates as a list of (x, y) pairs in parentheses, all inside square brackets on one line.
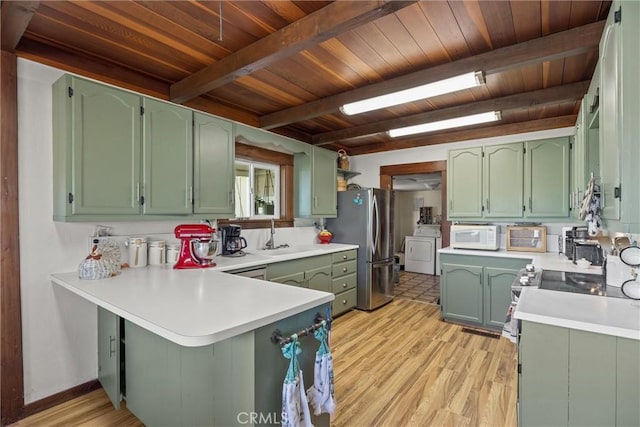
[(396, 366)]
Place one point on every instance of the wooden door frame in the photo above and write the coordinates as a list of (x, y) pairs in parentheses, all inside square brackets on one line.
[(389, 171), (11, 373)]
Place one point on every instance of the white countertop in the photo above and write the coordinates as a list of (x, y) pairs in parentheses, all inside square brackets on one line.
[(544, 260), (605, 315), (201, 306)]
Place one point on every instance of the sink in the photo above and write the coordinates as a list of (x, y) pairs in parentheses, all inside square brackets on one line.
[(308, 250)]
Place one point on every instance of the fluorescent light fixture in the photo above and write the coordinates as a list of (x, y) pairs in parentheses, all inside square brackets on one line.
[(474, 119), (453, 84)]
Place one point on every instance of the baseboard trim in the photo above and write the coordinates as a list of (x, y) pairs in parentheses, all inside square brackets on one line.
[(61, 397)]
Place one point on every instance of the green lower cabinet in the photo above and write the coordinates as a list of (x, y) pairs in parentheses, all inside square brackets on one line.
[(336, 273), (543, 380), (592, 379), (461, 293), (319, 279), (476, 290), (498, 294), (569, 377), (228, 383), (295, 279), (627, 382), (109, 355)]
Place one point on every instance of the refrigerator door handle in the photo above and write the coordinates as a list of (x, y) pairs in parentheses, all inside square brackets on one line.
[(377, 213)]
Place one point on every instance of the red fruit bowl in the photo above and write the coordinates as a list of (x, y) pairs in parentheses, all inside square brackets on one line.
[(325, 238)]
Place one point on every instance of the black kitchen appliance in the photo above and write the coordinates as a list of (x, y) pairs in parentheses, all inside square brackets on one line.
[(589, 250), (232, 243), (576, 233)]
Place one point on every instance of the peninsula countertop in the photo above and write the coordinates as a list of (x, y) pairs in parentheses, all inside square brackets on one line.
[(201, 306)]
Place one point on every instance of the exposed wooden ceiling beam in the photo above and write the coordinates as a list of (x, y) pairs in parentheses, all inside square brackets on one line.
[(311, 30), (566, 43), (466, 135), (570, 92), (16, 15)]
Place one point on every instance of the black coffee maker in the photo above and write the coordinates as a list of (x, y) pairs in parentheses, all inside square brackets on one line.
[(232, 243)]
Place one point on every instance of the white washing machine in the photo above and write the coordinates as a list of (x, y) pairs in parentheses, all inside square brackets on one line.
[(421, 249)]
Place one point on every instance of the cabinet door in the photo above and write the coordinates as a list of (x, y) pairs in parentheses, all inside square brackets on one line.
[(586, 405), (610, 114), (503, 181), (213, 173), (547, 178), (464, 183), (323, 182), (319, 279), (106, 150), (168, 158), (627, 382), (543, 384), (109, 355), (294, 279), (497, 295), (461, 293)]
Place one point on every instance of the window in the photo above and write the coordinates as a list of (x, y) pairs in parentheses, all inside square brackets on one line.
[(271, 190), (257, 190)]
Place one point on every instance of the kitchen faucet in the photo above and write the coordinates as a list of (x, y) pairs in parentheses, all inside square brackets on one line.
[(270, 243)]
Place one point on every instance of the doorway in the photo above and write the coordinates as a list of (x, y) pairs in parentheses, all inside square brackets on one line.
[(438, 167)]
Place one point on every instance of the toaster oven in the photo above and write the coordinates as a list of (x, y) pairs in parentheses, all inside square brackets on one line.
[(589, 250)]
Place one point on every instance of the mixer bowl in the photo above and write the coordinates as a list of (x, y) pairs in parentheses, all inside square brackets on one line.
[(204, 250)]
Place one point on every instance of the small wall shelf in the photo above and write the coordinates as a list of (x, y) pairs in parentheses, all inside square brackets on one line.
[(347, 174)]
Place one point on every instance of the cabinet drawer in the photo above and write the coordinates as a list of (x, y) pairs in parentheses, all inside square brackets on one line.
[(344, 301), (344, 256), (344, 268), (344, 283)]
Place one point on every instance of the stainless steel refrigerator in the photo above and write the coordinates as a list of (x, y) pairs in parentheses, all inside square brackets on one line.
[(365, 218)]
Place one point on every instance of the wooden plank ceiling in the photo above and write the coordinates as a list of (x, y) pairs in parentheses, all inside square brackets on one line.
[(289, 65)]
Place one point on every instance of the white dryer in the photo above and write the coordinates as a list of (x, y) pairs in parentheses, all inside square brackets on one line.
[(421, 249)]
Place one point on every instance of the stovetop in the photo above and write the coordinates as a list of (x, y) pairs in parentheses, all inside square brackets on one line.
[(579, 283)]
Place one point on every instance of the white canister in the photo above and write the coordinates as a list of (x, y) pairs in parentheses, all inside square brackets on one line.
[(173, 250), (156, 252), (137, 251)]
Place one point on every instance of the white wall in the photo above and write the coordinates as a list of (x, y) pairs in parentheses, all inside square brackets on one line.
[(405, 214), (58, 328), (369, 164)]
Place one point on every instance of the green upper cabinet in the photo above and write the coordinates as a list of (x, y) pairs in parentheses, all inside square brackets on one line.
[(502, 195), (168, 158), (464, 183), (610, 80), (546, 172), (213, 173), (315, 177), (96, 152), (619, 111)]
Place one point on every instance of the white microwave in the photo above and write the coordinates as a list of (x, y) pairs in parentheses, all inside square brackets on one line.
[(485, 237)]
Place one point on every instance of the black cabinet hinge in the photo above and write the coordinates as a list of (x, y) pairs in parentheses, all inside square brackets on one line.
[(142, 200), (617, 15), (524, 150), (70, 91), (141, 110), (524, 208), (519, 368), (482, 153), (571, 146), (617, 192), (70, 197)]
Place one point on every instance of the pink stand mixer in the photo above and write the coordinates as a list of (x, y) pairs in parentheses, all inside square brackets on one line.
[(198, 247)]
